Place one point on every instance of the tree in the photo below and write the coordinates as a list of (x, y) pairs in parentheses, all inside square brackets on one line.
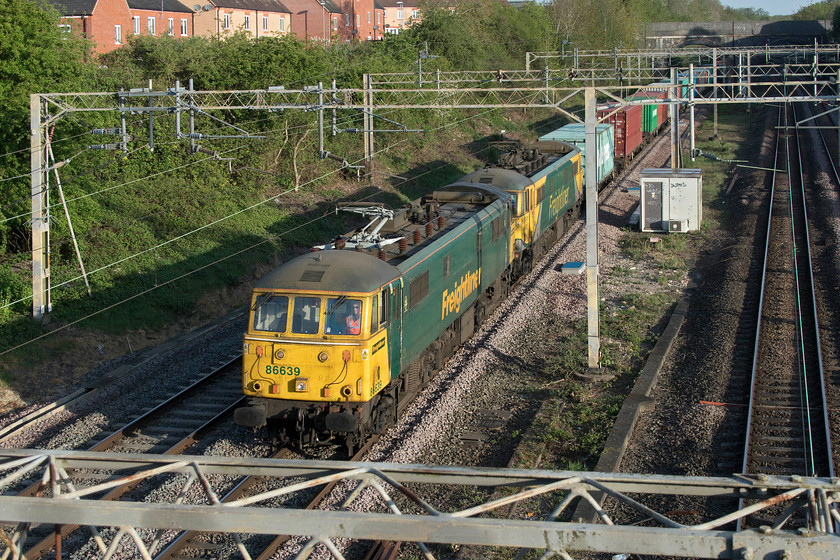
[(38, 57), (818, 10)]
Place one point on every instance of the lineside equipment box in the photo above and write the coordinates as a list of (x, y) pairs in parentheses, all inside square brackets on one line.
[(671, 200)]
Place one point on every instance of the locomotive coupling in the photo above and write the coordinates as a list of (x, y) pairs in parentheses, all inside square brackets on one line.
[(250, 416)]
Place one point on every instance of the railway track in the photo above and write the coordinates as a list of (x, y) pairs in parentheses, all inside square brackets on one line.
[(787, 426), (11, 430), (194, 544), (168, 428)]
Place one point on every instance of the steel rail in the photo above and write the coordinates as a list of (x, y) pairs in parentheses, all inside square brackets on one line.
[(44, 412), (53, 539), (756, 343), (781, 438), (806, 289), (184, 540)]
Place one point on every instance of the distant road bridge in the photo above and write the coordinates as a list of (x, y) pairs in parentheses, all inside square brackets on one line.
[(664, 35)]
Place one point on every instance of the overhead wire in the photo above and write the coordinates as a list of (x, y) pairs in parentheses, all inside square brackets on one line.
[(217, 261), (28, 198)]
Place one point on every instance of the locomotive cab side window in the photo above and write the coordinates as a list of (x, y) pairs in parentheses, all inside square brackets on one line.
[(517, 203), (379, 310), (374, 313), (270, 313)]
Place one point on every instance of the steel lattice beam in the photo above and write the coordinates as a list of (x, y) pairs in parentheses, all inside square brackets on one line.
[(423, 521)]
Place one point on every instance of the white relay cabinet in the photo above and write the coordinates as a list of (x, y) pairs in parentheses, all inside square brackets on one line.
[(671, 200)]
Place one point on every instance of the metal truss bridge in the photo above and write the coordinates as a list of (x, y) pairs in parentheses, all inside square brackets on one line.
[(402, 513)]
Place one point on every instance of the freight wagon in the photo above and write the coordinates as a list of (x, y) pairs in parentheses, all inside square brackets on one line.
[(575, 134), (628, 128)]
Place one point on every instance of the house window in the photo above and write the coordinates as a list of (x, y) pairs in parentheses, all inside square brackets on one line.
[(335, 24), (117, 35), (377, 18), (265, 23), (150, 25), (136, 25), (415, 14), (346, 20), (65, 28), (368, 17), (226, 23), (247, 22), (399, 10), (282, 25), (170, 27), (184, 29), (358, 20)]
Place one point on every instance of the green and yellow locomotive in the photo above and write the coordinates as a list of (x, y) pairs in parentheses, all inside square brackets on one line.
[(340, 340)]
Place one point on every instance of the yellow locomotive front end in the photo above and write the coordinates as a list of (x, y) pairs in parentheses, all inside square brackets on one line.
[(309, 347), (315, 361)]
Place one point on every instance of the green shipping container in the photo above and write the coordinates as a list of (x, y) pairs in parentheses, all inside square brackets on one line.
[(575, 134), (650, 117)]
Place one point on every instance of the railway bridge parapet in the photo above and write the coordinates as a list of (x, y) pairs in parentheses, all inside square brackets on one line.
[(675, 34)]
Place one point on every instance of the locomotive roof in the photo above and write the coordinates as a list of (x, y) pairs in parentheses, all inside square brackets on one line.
[(331, 271), (497, 177)]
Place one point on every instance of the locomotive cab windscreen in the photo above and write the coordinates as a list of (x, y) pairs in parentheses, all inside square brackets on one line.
[(301, 315)]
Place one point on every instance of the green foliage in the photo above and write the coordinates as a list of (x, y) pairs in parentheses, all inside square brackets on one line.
[(36, 57), (483, 34), (817, 10), (744, 14)]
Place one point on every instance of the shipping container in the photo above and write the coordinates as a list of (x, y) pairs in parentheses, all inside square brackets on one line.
[(628, 127), (654, 115), (575, 134)]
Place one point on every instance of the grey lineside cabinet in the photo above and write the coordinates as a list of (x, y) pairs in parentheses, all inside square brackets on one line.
[(671, 200)]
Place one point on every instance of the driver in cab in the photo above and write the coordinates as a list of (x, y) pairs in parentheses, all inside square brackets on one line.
[(354, 320)]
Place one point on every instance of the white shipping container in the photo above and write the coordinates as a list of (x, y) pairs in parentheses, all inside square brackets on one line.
[(671, 200)]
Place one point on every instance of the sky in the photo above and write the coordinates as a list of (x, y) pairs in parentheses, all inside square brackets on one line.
[(773, 7)]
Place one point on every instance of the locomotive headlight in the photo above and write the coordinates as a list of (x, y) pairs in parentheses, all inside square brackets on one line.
[(279, 354), (322, 357), (301, 385)]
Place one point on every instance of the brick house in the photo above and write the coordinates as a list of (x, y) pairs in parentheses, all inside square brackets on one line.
[(314, 19), (222, 18), (160, 17), (400, 14), (104, 22), (361, 19)]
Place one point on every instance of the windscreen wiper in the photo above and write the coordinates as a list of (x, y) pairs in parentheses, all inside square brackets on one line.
[(336, 305), (261, 301)]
